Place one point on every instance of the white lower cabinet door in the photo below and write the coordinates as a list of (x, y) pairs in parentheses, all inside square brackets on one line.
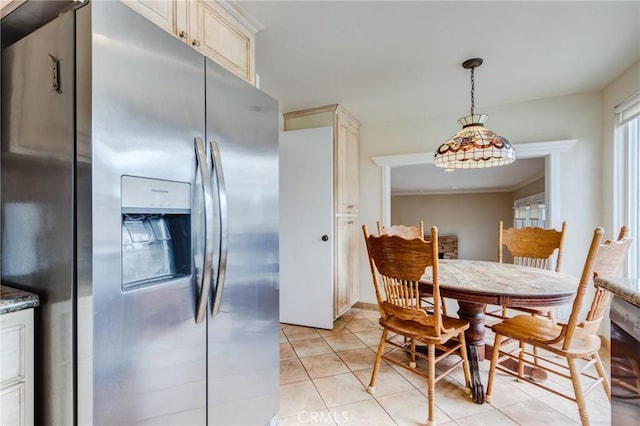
[(16, 369)]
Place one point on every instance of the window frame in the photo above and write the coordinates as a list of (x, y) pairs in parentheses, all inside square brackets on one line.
[(626, 179)]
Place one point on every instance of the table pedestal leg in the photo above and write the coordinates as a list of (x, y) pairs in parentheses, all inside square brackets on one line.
[(474, 313)]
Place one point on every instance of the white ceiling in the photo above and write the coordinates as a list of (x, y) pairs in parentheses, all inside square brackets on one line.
[(392, 60)]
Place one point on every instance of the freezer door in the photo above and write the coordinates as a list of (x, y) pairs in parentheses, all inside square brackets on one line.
[(149, 355), (243, 329), (38, 199)]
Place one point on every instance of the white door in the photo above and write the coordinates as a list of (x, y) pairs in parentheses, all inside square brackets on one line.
[(306, 227)]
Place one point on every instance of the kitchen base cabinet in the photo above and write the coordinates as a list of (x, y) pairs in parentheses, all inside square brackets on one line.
[(16, 370), (346, 256)]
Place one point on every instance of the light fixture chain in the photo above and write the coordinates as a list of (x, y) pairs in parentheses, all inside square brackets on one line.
[(472, 90)]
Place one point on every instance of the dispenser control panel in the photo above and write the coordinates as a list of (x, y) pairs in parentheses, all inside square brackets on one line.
[(144, 193)]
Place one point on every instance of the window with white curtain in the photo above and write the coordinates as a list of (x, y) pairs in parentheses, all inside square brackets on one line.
[(529, 211), (627, 175)]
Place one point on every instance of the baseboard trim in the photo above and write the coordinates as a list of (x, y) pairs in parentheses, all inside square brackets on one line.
[(366, 306)]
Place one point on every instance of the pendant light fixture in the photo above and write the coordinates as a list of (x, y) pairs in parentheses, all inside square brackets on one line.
[(475, 146)]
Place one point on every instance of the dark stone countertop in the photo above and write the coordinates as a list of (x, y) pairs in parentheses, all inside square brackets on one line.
[(12, 299), (625, 288)]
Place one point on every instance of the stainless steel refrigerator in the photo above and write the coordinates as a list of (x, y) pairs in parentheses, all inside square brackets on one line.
[(140, 202)]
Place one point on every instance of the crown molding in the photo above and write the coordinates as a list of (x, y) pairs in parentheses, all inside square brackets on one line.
[(241, 15)]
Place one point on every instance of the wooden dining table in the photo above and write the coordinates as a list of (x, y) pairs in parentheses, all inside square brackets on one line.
[(475, 284)]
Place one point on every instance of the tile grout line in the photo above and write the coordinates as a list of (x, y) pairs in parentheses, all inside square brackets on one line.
[(373, 396), (413, 386), (351, 371)]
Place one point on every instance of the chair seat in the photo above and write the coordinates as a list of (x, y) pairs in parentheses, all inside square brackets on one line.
[(422, 333), (535, 330), (539, 310)]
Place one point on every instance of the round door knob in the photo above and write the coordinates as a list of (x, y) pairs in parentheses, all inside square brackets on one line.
[(184, 34), (195, 43), (325, 237)]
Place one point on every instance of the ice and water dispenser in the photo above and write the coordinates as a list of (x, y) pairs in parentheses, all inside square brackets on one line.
[(156, 231)]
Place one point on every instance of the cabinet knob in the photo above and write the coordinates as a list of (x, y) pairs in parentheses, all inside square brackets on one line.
[(325, 237), (184, 34), (195, 43)]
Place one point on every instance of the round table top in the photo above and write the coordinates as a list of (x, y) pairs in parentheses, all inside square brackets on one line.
[(503, 284)]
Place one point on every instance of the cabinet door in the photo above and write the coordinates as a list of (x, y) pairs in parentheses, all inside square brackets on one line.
[(12, 405), (306, 222), (163, 13), (16, 368), (347, 166), (346, 282), (355, 235), (218, 35)]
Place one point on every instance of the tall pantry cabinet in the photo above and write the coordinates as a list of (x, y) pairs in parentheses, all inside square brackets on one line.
[(345, 194)]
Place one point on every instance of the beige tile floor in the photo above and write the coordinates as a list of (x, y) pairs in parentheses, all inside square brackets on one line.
[(324, 374)]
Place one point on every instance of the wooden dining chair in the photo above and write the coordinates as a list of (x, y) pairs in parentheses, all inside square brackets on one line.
[(410, 232), (609, 262), (403, 231), (612, 254), (532, 247), (397, 264), (575, 341)]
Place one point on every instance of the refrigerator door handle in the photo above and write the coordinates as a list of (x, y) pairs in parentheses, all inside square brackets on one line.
[(222, 205), (207, 195)]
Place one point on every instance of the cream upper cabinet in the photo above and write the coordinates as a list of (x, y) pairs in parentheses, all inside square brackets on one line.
[(345, 195), (346, 136), (171, 15), (346, 146), (221, 31), (216, 33)]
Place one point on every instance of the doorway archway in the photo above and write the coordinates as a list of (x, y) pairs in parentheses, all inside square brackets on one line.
[(549, 150)]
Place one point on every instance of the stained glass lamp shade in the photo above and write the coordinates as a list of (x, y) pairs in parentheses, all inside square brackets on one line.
[(475, 146)]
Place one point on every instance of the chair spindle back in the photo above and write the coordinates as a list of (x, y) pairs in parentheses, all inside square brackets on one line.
[(532, 247), (408, 232), (585, 279), (609, 261), (397, 264)]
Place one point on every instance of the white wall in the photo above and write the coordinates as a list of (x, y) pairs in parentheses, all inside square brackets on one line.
[(535, 187), (619, 90), (473, 218), (566, 117)]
